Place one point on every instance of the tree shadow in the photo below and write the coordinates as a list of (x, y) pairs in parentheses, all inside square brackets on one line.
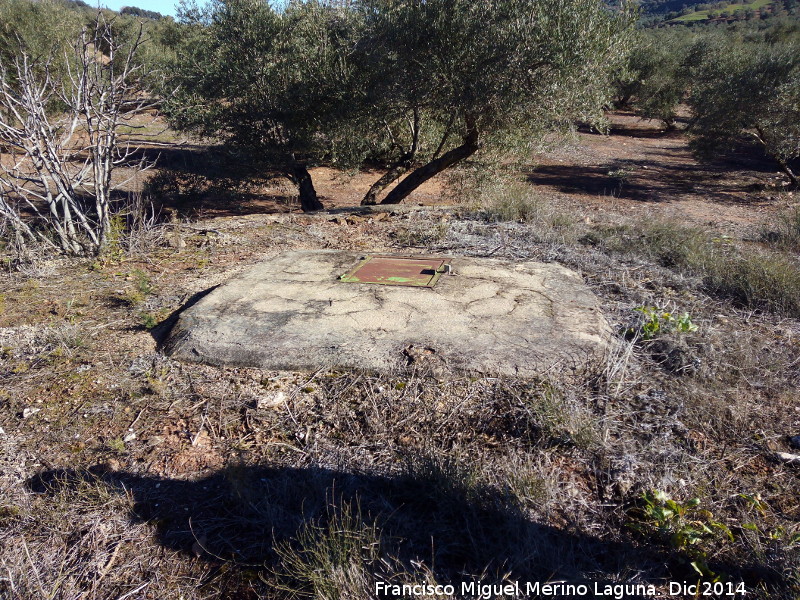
[(433, 514), (214, 181), (657, 179), (667, 172)]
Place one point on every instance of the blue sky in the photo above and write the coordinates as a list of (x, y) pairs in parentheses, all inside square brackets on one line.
[(165, 7)]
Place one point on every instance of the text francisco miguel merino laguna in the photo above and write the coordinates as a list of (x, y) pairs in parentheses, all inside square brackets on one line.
[(486, 591)]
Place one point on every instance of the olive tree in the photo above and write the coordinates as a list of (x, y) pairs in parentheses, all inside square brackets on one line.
[(272, 83), (657, 74), (417, 85), (749, 90), (450, 78)]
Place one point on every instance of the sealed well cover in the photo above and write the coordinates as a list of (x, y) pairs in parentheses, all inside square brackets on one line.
[(416, 271), (292, 312)]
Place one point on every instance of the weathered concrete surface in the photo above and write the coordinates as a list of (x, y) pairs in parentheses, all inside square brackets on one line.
[(492, 316)]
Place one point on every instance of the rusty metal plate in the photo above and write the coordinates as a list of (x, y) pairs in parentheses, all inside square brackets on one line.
[(415, 271)]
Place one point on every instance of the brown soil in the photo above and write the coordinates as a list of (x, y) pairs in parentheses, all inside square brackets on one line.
[(642, 171)]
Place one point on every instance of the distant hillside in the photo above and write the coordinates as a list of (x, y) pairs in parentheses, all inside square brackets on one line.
[(90, 7), (660, 7), (683, 12), (748, 10)]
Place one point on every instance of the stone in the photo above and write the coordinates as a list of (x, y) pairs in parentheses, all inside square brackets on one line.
[(265, 402), (29, 412), (788, 458), (494, 316), (175, 240)]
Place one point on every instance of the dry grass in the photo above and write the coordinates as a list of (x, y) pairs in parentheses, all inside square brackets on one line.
[(784, 233), (141, 477)]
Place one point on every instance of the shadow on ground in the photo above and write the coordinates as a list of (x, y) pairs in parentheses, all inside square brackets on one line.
[(212, 181), (161, 330), (663, 172), (656, 179), (434, 514)]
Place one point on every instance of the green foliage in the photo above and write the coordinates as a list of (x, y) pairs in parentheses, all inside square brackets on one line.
[(117, 445), (685, 527), (732, 9), (143, 283), (149, 320), (44, 30), (113, 251), (140, 12), (392, 81), (756, 279), (749, 276), (142, 288), (656, 322), (752, 90), (270, 82), (496, 66), (657, 74), (159, 50), (785, 233)]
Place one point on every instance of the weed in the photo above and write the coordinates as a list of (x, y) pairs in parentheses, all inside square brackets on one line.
[(142, 288), (113, 251), (67, 336), (757, 279), (116, 445), (143, 283), (561, 420), (656, 322), (8, 514), (620, 176), (785, 234), (512, 203), (750, 277), (424, 234), (685, 527), (149, 320), (332, 560), (529, 487), (517, 202)]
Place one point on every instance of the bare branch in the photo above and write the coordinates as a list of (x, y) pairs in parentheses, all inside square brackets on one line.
[(68, 186)]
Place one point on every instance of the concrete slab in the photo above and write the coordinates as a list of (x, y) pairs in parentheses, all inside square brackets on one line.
[(491, 316)]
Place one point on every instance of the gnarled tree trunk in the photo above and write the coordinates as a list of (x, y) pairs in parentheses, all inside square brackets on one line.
[(305, 186), (419, 176), (401, 167), (790, 173), (398, 170)]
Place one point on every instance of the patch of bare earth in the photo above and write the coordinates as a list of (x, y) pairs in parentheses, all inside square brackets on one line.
[(642, 171)]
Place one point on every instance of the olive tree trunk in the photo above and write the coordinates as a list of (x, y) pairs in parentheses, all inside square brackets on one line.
[(789, 172), (419, 176), (400, 168), (305, 186)]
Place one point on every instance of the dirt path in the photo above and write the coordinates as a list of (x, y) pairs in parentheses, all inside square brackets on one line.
[(640, 169)]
